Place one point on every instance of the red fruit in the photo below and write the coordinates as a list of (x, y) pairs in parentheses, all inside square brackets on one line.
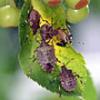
[(53, 3), (77, 4), (81, 4)]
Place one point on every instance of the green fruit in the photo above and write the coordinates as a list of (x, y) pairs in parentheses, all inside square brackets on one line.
[(4, 2), (9, 16), (75, 16), (77, 4)]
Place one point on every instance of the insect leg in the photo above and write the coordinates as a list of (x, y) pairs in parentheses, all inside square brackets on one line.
[(33, 58), (45, 20), (78, 76), (70, 61)]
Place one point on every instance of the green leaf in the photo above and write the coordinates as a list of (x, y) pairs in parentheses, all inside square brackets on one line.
[(83, 91)]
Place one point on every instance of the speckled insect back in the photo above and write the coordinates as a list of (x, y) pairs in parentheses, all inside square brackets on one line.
[(34, 20), (67, 79), (46, 31), (46, 57)]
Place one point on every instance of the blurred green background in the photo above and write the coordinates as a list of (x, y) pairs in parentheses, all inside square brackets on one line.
[(14, 85)]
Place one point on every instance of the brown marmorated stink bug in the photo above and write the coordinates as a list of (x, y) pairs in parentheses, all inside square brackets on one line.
[(46, 56), (64, 37), (67, 79), (46, 31), (34, 20)]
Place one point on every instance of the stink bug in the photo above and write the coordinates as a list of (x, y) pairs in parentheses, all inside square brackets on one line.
[(63, 36), (67, 79), (46, 32), (46, 56), (34, 20)]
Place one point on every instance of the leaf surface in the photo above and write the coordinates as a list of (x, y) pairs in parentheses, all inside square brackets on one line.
[(67, 55)]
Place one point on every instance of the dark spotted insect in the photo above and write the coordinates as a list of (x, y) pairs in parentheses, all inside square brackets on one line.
[(68, 80), (46, 32), (34, 20), (46, 56), (64, 37)]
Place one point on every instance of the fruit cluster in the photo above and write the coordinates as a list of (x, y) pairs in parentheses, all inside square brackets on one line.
[(77, 10), (9, 16), (45, 53)]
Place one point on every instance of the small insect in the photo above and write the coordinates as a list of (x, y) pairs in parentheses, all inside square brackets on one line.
[(34, 20), (46, 31), (67, 79), (46, 56), (63, 36)]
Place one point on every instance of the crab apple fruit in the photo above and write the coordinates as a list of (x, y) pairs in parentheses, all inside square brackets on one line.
[(52, 3), (9, 16), (77, 4), (75, 16)]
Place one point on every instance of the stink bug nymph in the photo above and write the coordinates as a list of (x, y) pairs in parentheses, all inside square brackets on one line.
[(65, 37), (34, 20), (67, 79), (46, 31), (46, 56)]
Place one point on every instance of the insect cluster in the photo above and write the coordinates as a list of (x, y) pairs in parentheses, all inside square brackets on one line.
[(45, 53)]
